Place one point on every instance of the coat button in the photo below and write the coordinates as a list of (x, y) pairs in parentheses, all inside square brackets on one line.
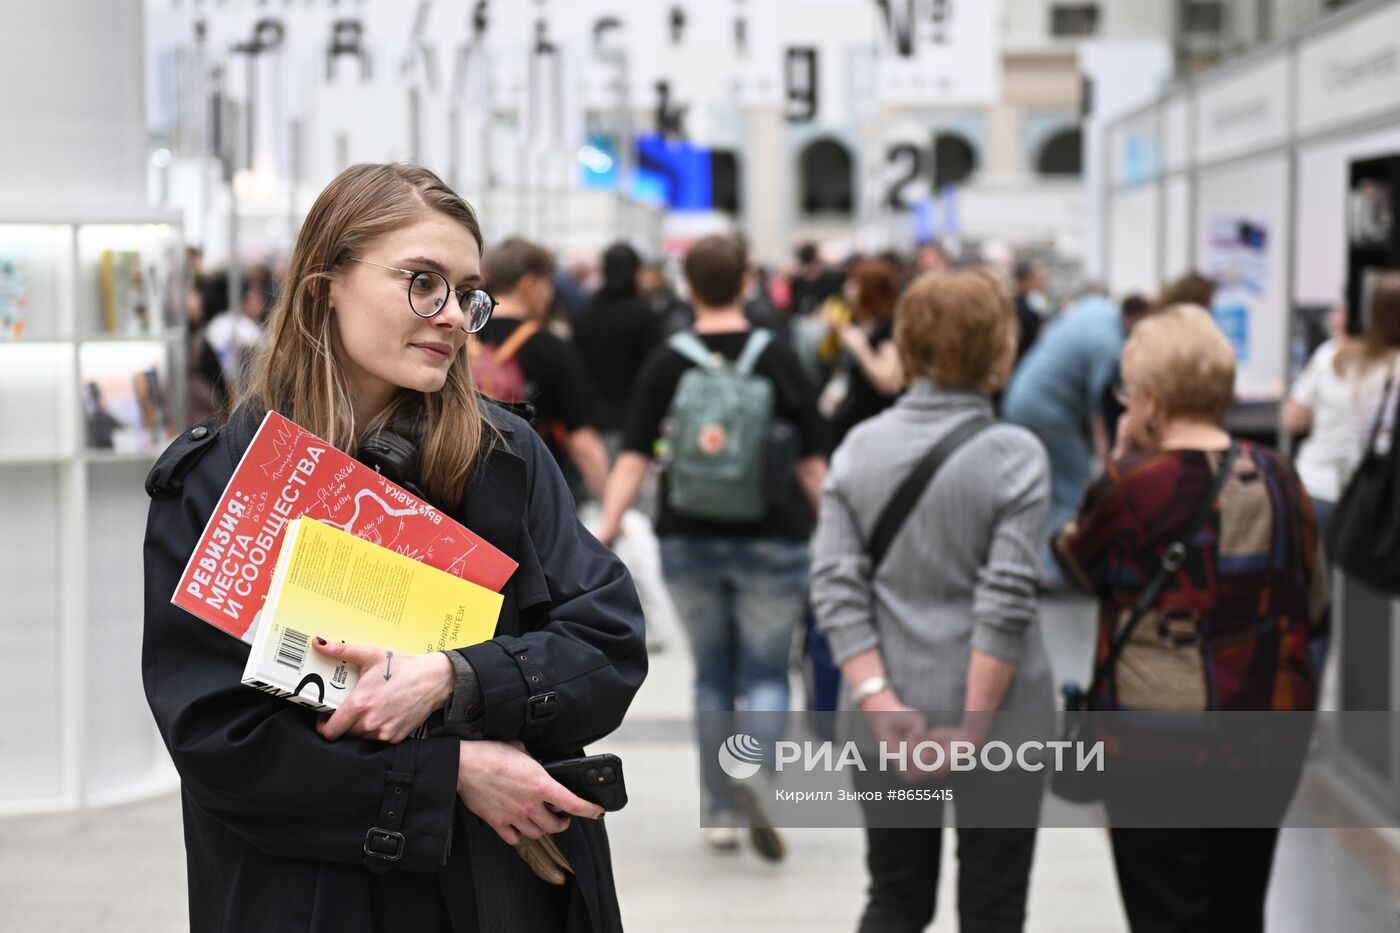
[(199, 433)]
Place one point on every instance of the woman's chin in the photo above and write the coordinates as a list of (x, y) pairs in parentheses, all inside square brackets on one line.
[(425, 380)]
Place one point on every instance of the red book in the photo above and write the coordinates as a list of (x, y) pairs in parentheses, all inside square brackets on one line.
[(287, 472)]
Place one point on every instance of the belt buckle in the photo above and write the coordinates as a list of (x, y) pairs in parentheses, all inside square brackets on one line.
[(377, 837)]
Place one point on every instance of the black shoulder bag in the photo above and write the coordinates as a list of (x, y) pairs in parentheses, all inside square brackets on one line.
[(1364, 539), (1083, 786)]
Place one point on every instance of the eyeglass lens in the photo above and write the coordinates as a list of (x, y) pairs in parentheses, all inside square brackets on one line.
[(428, 293)]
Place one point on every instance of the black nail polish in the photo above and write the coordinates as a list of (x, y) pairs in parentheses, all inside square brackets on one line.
[(320, 641)]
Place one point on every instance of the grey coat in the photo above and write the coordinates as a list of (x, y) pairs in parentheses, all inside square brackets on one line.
[(962, 571)]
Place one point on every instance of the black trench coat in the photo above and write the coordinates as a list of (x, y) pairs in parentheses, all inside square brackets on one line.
[(276, 817)]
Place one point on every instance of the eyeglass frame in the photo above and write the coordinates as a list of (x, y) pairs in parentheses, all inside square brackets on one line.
[(457, 293)]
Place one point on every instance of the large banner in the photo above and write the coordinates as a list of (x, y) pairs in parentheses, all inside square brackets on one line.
[(939, 52)]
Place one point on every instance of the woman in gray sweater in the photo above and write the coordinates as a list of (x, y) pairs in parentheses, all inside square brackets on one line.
[(944, 624)]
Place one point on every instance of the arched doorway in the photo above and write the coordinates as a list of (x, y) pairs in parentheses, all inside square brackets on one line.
[(954, 159), (825, 177), (1062, 154)]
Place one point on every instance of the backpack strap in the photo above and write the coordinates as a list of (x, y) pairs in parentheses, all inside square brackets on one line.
[(758, 342), (690, 346), (507, 350)]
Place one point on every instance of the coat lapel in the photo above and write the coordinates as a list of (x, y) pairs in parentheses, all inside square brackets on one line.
[(493, 502), (493, 506)]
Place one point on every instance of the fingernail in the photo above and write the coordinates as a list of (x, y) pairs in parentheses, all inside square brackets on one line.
[(320, 640)]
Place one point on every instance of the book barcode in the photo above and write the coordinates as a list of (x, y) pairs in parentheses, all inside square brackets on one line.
[(291, 649)]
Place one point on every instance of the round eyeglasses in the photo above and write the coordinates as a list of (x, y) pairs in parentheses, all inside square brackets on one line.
[(428, 293)]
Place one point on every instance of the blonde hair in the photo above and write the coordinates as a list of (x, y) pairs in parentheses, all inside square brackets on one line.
[(1181, 356), (297, 372), (954, 327)]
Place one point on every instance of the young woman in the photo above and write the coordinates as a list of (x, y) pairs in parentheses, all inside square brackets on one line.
[(1337, 396), (346, 824), (872, 373)]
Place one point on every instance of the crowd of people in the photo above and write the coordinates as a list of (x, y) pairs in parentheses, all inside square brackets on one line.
[(761, 425)]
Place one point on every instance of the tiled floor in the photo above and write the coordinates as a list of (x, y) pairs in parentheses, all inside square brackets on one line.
[(122, 869)]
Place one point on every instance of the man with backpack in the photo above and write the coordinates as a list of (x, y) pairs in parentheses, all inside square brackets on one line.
[(730, 413), (515, 358)]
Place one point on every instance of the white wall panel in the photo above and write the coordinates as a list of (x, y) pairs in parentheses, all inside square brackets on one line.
[(1176, 132), (1176, 235), (30, 568), (1132, 240), (1350, 73), (1242, 111), (72, 91), (1321, 268), (122, 742)]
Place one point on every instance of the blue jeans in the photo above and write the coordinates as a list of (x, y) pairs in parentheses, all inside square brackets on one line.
[(740, 601)]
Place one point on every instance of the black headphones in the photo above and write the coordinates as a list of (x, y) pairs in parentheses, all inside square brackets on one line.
[(394, 456)]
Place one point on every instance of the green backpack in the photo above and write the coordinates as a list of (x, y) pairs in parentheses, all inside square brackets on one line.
[(718, 427)]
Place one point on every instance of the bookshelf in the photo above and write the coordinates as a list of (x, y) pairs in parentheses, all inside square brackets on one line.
[(92, 348)]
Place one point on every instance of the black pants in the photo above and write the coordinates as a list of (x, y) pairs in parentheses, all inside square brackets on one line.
[(1194, 880), (994, 864)]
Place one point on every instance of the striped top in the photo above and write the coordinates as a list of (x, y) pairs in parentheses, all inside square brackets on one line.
[(1230, 628), (961, 573)]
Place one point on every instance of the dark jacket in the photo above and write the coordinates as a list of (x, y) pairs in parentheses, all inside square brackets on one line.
[(276, 817), (613, 337)]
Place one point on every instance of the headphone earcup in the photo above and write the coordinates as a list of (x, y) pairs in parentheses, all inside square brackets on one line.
[(394, 456)]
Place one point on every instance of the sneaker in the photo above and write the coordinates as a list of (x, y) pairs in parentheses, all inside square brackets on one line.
[(762, 835), (720, 838)]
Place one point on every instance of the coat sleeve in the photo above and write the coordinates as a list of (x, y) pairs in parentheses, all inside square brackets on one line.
[(255, 763), (568, 680), (1004, 600)]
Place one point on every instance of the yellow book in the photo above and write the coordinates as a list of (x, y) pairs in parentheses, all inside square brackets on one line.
[(331, 584)]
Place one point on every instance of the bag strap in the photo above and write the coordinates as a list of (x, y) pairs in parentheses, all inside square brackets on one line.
[(506, 351), (511, 346), (1172, 559), (1382, 409), (688, 345), (901, 504), (692, 348), (753, 348)]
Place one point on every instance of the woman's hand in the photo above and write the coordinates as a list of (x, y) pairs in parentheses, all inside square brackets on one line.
[(854, 340), (972, 730), (387, 710), (1124, 444), (894, 723), (510, 791)]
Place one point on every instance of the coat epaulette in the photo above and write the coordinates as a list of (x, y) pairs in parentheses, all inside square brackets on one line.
[(167, 477)]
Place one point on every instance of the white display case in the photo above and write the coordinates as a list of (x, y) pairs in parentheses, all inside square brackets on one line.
[(92, 371)]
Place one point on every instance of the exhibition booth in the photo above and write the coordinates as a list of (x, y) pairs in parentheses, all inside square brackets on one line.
[(1276, 175)]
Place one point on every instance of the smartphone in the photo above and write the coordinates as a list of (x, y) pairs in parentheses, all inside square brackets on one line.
[(595, 778)]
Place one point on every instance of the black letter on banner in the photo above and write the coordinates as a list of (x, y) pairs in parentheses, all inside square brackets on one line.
[(800, 77)]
